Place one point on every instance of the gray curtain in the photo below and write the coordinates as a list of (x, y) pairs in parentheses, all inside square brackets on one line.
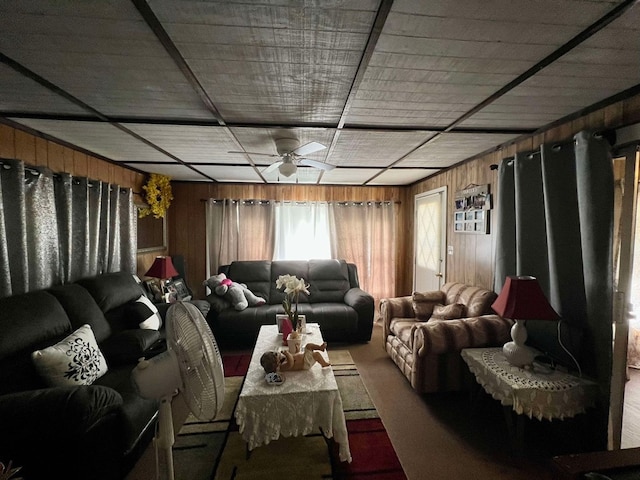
[(555, 222), (57, 228), (238, 230)]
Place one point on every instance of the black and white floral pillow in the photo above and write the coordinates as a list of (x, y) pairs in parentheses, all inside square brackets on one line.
[(76, 360)]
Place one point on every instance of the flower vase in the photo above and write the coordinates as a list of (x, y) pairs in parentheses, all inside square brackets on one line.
[(294, 341), (286, 330)]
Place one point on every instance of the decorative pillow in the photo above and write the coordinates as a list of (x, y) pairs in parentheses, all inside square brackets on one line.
[(423, 303), (75, 360), (145, 313), (448, 312)]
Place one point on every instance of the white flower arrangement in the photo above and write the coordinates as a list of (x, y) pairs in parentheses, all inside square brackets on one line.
[(293, 286)]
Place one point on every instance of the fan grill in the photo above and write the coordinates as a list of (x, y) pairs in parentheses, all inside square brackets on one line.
[(196, 350)]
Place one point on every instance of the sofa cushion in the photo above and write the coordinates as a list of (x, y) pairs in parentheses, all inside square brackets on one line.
[(46, 320), (128, 346), (47, 323), (111, 290), (82, 309), (328, 281), (403, 328), (297, 268), (449, 312), (75, 360), (144, 314), (423, 303), (477, 300), (255, 274)]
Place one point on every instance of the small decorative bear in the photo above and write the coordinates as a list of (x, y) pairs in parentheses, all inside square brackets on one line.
[(235, 293)]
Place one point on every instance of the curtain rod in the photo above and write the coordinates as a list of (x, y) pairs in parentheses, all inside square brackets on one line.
[(609, 135), (360, 202), (58, 176)]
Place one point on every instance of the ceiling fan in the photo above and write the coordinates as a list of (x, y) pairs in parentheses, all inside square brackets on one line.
[(291, 155)]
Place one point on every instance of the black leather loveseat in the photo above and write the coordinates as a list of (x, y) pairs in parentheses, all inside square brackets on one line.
[(91, 431), (336, 302)]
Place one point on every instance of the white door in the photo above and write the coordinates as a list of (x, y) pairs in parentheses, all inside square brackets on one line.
[(430, 214), (625, 298)]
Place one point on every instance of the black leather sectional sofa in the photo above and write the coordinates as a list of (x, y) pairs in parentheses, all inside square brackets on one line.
[(336, 302), (92, 431)]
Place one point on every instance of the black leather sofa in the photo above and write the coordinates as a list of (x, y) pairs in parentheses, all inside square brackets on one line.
[(336, 302), (75, 432)]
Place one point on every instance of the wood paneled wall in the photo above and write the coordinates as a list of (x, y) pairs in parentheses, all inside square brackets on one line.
[(38, 151), (186, 216), (472, 259)]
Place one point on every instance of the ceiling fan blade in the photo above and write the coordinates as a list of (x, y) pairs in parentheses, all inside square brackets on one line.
[(309, 148), (316, 164), (272, 167), (254, 153)]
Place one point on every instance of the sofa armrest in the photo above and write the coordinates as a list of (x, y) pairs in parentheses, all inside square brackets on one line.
[(218, 304), (42, 428), (363, 304), (444, 336)]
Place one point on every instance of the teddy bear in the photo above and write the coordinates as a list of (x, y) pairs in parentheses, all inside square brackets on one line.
[(235, 293)]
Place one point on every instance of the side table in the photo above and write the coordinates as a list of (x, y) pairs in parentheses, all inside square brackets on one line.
[(538, 393)]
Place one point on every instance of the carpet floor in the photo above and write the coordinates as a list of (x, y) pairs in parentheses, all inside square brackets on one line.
[(215, 450)]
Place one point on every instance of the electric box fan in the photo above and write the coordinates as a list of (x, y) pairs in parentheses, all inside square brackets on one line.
[(191, 365)]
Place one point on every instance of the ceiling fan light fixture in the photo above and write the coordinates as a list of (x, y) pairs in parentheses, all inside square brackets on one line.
[(287, 169)]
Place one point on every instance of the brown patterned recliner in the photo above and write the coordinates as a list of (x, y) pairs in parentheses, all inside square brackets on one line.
[(427, 349)]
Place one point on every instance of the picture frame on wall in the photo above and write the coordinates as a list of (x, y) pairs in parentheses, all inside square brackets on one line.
[(472, 205)]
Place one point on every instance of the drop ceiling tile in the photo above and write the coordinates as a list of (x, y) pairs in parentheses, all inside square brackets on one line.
[(24, 95), (230, 175), (401, 176), (192, 144), (100, 52), (269, 74), (176, 171), (348, 176), (367, 148), (459, 54), (99, 137), (450, 148)]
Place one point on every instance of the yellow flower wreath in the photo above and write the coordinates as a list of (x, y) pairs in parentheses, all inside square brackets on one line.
[(158, 196)]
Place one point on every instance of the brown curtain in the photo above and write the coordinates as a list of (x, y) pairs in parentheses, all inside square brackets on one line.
[(238, 230), (364, 233)]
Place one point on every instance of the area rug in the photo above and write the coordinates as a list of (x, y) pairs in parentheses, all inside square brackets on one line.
[(215, 450)]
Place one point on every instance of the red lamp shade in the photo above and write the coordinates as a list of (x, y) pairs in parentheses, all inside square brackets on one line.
[(162, 268), (522, 298)]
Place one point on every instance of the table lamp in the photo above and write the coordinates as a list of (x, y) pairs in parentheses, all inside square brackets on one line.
[(522, 299), (162, 269)]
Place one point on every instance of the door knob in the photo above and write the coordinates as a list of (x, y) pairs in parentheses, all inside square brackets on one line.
[(439, 275)]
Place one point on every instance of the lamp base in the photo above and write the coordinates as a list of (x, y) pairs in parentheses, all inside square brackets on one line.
[(518, 355)]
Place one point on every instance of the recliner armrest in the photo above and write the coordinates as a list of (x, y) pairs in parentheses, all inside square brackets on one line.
[(55, 412), (358, 298), (42, 429)]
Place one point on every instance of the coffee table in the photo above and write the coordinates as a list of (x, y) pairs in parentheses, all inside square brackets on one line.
[(308, 400)]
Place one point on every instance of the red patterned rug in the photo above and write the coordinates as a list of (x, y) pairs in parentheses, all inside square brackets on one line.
[(215, 450)]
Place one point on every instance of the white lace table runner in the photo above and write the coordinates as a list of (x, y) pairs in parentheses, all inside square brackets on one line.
[(540, 394), (308, 400)]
